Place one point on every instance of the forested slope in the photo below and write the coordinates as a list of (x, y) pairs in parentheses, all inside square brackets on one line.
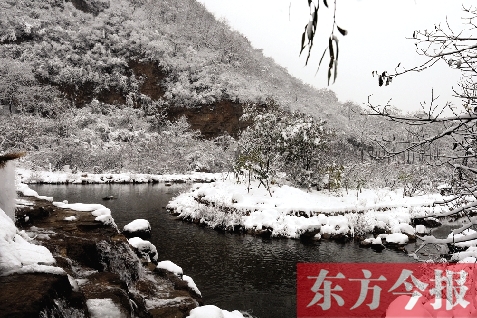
[(99, 85), (141, 53)]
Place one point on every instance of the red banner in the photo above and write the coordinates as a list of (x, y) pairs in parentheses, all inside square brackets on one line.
[(386, 290)]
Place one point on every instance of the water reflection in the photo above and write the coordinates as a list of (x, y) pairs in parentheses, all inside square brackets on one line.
[(232, 271)]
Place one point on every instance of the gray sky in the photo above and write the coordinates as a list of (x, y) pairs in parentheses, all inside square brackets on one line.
[(376, 41)]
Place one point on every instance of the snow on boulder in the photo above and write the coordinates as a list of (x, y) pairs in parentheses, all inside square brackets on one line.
[(421, 229), (18, 255), (100, 308), (403, 228), (460, 256), (397, 238), (144, 249), (171, 267), (211, 311), (27, 192), (102, 214), (138, 228), (462, 235), (336, 224), (191, 284)]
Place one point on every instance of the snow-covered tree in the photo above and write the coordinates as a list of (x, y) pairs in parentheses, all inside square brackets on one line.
[(279, 143)]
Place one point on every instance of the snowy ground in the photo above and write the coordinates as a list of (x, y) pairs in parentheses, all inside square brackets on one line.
[(55, 177), (290, 211)]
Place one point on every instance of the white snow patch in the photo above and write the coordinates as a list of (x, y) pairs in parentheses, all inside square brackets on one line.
[(145, 247), (191, 284), (81, 207), (73, 283), (102, 213), (56, 177), (27, 192), (18, 254), (403, 228), (460, 256), (421, 229), (137, 225), (103, 308), (171, 267), (211, 311), (106, 220), (462, 235), (397, 238), (70, 218), (284, 212)]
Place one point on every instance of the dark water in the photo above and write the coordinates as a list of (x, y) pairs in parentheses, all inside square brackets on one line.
[(232, 271)]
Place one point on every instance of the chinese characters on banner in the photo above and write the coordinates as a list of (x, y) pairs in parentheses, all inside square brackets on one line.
[(386, 290)]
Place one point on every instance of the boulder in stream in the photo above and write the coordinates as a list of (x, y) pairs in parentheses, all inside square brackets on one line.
[(138, 228)]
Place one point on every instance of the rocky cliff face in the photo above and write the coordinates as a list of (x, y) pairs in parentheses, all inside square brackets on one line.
[(91, 6), (211, 120), (101, 268)]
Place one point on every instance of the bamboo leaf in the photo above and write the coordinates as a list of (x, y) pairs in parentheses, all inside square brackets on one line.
[(342, 31), (336, 41), (309, 30), (321, 59), (336, 58), (302, 42), (315, 17), (326, 3), (336, 71), (332, 58)]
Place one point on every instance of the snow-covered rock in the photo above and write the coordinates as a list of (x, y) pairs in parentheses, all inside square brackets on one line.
[(462, 235), (397, 238), (101, 308), (138, 228), (102, 214), (144, 249), (191, 284), (211, 311), (171, 267), (421, 229), (19, 255), (403, 228)]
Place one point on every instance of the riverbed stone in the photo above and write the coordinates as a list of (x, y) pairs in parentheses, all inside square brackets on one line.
[(27, 295), (138, 228), (429, 222)]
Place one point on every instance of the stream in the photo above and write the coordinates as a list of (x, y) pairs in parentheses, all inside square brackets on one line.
[(232, 271)]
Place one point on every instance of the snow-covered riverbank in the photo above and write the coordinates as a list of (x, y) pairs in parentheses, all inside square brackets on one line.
[(58, 177), (290, 212)]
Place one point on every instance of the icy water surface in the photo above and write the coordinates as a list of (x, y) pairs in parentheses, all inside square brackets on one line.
[(232, 271)]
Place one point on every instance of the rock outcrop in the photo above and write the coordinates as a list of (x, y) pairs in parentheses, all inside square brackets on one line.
[(212, 120), (91, 6), (101, 268)]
